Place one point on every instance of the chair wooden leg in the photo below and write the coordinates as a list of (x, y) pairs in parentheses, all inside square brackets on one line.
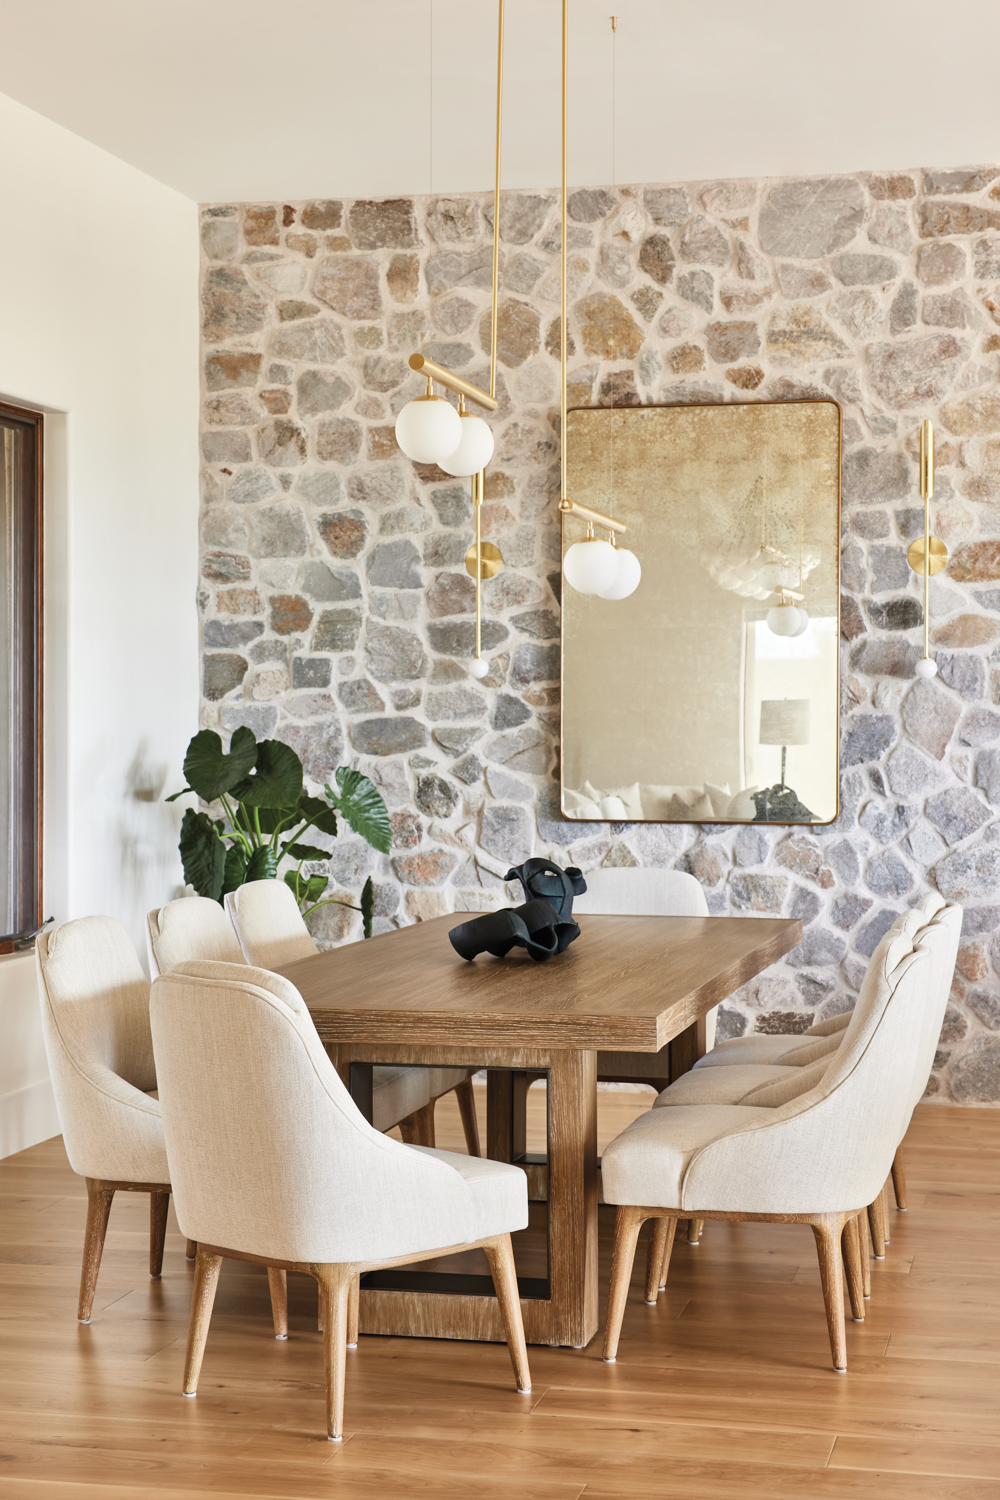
[(206, 1279), (628, 1222), (661, 1242), (159, 1203), (467, 1109), (877, 1228), (191, 1250), (354, 1313), (98, 1208), (418, 1129), (852, 1262), (695, 1227), (864, 1249), (277, 1281), (500, 1255), (335, 1295), (899, 1181), (831, 1269), (884, 1195)]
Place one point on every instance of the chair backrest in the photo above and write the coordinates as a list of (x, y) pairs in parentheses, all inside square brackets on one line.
[(95, 1019), (190, 928), (268, 924), (268, 1152), (640, 892), (832, 1148)]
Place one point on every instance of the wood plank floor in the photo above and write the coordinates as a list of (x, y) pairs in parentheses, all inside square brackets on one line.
[(724, 1389)]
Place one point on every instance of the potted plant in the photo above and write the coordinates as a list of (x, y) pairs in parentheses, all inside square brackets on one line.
[(266, 813)]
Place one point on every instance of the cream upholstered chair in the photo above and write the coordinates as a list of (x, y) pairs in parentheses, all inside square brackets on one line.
[(95, 1019), (272, 1162), (641, 892), (193, 927), (815, 1157), (271, 933)]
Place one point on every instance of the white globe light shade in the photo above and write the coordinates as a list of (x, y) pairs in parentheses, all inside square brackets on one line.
[(926, 667), (803, 624), (729, 578), (629, 575), (428, 429), (590, 567), (479, 667), (783, 619), (774, 575), (473, 452)]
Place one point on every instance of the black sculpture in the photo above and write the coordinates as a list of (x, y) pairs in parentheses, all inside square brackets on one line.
[(543, 925)]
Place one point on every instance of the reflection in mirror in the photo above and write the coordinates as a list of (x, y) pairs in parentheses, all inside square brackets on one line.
[(711, 693)]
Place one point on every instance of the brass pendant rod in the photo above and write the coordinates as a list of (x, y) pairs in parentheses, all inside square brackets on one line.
[(563, 504), (444, 376), (496, 207), (926, 490), (477, 501), (574, 508)]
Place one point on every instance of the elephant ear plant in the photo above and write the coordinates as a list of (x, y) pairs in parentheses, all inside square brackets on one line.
[(267, 813)]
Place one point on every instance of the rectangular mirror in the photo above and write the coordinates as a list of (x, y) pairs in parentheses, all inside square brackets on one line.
[(686, 702)]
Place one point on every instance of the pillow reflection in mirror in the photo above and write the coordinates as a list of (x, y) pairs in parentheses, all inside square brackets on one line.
[(655, 799), (679, 810), (628, 794), (742, 808), (720, 798), (613, 808)]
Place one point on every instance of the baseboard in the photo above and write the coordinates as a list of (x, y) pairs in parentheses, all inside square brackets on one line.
[(28, 1116)]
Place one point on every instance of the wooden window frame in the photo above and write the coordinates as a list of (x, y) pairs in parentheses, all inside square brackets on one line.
[(28, 665)]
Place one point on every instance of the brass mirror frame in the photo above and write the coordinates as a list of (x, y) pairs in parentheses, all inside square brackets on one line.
[(707, 823)]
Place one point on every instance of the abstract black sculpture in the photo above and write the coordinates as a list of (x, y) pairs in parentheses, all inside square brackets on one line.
[(543, 925)]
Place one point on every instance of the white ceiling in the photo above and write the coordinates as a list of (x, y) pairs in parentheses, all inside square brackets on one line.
[(271, 99)]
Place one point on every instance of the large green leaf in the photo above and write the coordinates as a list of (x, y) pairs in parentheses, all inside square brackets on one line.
[(262, 864), (203, 854), (320, 814), (361, 806), (209, 771), (277, 780), (368, 906), (305, 851), (235, 872), (307, 889)]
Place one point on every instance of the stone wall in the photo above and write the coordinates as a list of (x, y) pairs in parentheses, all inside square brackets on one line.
[(337, 614)]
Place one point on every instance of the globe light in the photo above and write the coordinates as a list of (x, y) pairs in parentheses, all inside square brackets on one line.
[(428, 429), (479, 667), (629, 575), (784, 619), (591, 566), (473, 452), (803, 624), (926, 668)]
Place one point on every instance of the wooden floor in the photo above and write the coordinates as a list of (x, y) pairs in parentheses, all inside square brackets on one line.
[(724, 1389)]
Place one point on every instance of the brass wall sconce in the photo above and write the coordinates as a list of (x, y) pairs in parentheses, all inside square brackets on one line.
[(927, 554)]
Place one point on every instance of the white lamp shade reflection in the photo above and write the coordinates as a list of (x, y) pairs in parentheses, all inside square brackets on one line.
[(591, 566), (629, 575), (785, 619), (428, 429), (473, 452)]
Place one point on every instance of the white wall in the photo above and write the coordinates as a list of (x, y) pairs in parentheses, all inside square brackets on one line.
[(98, 326)]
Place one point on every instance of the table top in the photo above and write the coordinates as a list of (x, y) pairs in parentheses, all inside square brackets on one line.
[(627, 983)]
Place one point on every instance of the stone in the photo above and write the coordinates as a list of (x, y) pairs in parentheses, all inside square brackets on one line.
[(435, 797), (888, 875), (292, 310), (390, 736), (319, 343), (524, 749), (281, 444), (964, 672), (506, 832), (523, 274), (469, 769), (930, 715), (872, 525), (783, 1023), (394, 654), (746, 377), (455, 703), (941, 219), (239, 601), (810, 218), (917, 373), (522, 215), (222, 673), (818, 947), (973, 962), (379, 487), (848, 909), (429, 867), (290, 613), (802, 282), (276, 402), (323, 214), (728, 341), (757, 892), (967, 630), (972, 416), (388, 224), (443, 551), (587, 205), (618, 389), (279, 531), (458, 638), (327, 587), (888, 822), (541, 623), (407, 829), (909, 772), (395, 565), (941, 263), (452, 505), (337, 630), (805, 905), (969, 873), (957, 812), (350, 285), (224, 371), (699, 288), (988, 773), (518, 333), (864, 270), (975, 562), (708, 863), (535, 664), (800, 334), (457, 740), (311, 672), (403, 277), (647, 300), (453, 268), (223, 567), (450, 221), (890, 570), (666, 205), (871, 476), (607, 328), (874, 930), (751, 847), (891, 227), (975, 1077), (885, 658), (657, 259), (344, 532), (986, 257), (955, 1027), (895, 614), (225, 447), (729, 1023), (230, 305), (220, 634), (259, 717), (703, 242), (451, 594), (869, 738)]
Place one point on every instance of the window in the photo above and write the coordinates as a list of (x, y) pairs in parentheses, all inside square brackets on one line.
[(20, 675)]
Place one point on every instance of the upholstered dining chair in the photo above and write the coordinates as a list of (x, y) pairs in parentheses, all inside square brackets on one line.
[(271, 933), (803, 1148), (95, 1020), (273, 1163), (192, 927)]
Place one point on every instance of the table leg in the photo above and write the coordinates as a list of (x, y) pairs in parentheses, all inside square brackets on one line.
[(686, 1048), (573, 1197)]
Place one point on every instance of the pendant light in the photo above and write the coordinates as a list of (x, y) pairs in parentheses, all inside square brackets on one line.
[(629, 573), (475, 448), (591, 566), (429, 429)]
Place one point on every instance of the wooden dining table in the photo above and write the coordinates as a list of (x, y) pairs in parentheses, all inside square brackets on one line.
[(626, 984)]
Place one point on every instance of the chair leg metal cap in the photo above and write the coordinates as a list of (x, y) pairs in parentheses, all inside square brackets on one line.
[(334, 1439), (280, 1336), (857, 1320), (902, 1210), (524, 1390), (190, 1395), (155, 1276), (352, 1346), (650, 1301), (612, 1361), (879, 1257), (840, 1369), (83, 1320)]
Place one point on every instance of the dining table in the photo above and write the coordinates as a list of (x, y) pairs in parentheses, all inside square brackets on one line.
[(628, 983)]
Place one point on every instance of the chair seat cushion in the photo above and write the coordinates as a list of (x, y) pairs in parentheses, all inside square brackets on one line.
[(720, 1085), (499, 1191), (645, 1165), (756, 1048)]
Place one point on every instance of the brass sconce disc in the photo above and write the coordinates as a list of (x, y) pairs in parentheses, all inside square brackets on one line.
[(939, 555), (490, 560)]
